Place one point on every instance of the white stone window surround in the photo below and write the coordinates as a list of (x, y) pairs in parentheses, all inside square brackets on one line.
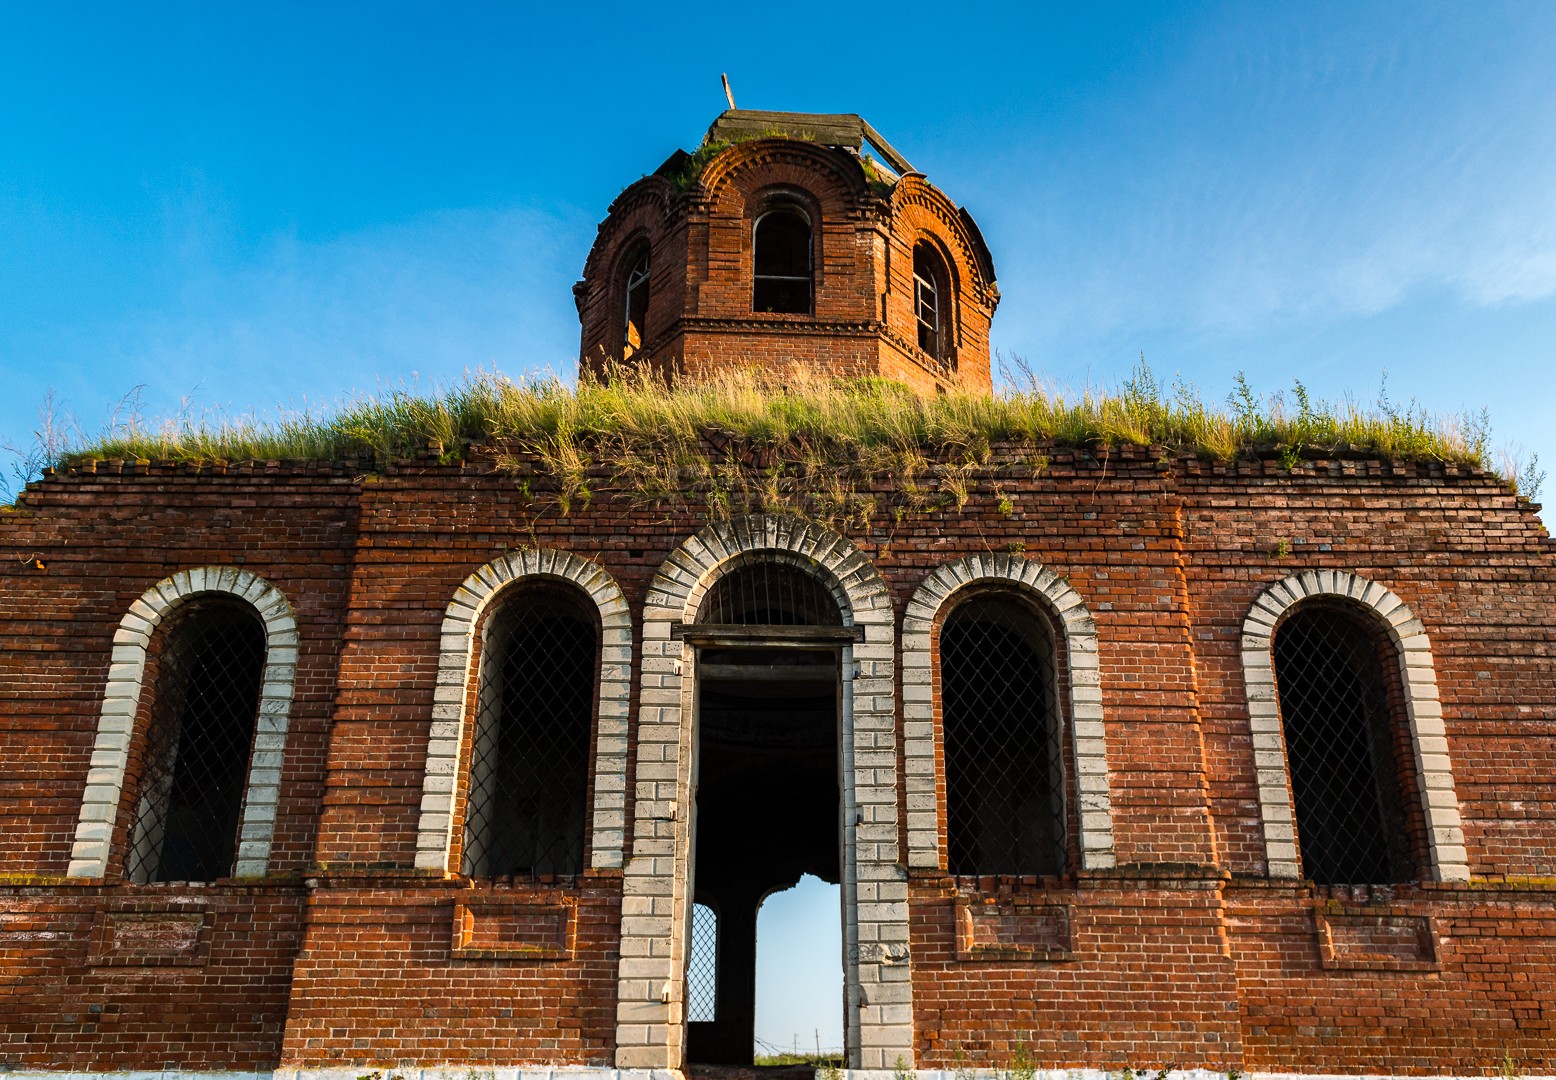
[(455, 656), (656, 907), (1077, 635), (121, 700), (1423, 708)]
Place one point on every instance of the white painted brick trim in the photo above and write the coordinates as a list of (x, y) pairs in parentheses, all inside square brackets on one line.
[(121, 700), (877, 973), (455, 656), (1079, 631), (1450, 862)]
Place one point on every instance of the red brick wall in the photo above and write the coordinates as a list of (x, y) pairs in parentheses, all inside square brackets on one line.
[(1186, 955)]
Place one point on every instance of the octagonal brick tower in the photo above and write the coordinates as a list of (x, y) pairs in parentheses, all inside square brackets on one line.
[(790, 239)]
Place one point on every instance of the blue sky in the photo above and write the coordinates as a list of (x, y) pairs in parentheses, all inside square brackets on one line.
[(799, 968), (279, 205)]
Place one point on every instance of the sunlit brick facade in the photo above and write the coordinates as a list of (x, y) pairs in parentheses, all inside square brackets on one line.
[(1151, 895)]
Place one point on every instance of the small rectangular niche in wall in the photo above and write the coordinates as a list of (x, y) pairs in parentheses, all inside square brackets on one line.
[(149, 937), (1354, 940), (498, 930), (1007, 929)]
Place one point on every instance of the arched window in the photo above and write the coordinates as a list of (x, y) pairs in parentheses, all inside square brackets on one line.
[(636, 304), (783, 263), (932, 301), (1347, 752), (1003, 758), (529, 758), (194, 760)]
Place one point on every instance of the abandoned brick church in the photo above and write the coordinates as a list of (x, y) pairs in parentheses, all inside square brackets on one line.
[(1148, 759)]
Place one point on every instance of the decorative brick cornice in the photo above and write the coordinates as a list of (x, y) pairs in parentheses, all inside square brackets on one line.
[(842, 168), (121, 701), (651, 194), (1078, 632), (918, 192), (1428, 736), (776, 324), (460, 620)]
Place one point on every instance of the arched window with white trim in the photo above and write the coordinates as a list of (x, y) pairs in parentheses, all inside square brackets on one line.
[(1347, 748), (1002, 681), (1002, 724), (1355, 780), (527, 800), (192, 732), (194, 755)]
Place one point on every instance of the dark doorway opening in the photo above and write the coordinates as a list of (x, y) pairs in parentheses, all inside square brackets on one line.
[(767, 813)]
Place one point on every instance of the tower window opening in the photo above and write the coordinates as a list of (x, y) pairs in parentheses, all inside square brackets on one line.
[(529, 759), (636, 307), (930, 299), (1004, 775), (1343, 748), (195, 758), (783, 278)]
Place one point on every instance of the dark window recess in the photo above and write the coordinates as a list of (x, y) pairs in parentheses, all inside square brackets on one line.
[(195, 758), (1342, 748), (636, 305), (1003, 762), (929, 300), (782, 260), (702, 970), (529, 760), (769, 594)]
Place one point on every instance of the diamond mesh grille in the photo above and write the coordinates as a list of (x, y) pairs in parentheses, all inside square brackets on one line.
[(702, 974), (1342, 746), (1003, 760), (529, 761), (194, 762), (769, 594)]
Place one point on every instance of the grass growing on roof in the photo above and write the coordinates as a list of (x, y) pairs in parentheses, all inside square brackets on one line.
[(825, 449)]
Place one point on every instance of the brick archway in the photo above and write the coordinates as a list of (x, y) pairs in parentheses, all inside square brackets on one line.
[(1079, 632), (1428, 737), (121, 700), (460, 620), (655, 918)]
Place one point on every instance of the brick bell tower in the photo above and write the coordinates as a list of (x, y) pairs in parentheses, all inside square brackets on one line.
[(790, 239)]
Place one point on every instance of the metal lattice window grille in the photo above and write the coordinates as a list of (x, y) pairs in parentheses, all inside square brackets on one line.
[(525, 806), (769, 594), (1347, 749), (1004, 742), (702, 966), (194, 760)]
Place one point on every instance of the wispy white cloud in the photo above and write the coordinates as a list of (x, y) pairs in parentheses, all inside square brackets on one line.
[(1298, 171)]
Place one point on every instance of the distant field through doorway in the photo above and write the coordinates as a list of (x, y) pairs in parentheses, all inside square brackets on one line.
[(799, 970)]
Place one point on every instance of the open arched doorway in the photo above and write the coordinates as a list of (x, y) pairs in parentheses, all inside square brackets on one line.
[(767, 780)]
